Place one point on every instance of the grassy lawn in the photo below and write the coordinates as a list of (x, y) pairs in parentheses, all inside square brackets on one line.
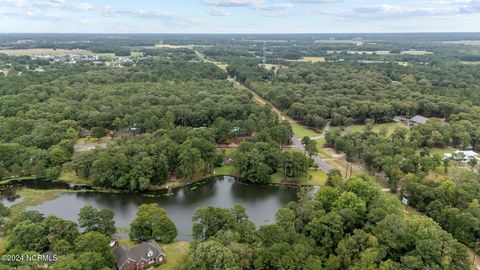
[(318, 177), (321, 142), (32, 197), (390, 127), (455, 171), (177, 253), (315, 178), (301, 131), (72, 177), (229, 151), (225, 170), (442, 151)]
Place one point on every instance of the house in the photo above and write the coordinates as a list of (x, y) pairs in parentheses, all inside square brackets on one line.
[(140, 257), (463, 156), (417, 120)]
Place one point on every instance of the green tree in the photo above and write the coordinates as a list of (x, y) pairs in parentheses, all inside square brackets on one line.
[(97, 243), (213, 255), (207, 221), (90, 219), (152, 222)]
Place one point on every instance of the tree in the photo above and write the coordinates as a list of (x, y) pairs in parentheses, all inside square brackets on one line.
[(295, 164), (190, 162), (90, 219), (97, 243), (152, 222), (310, 146), (209, 220), (4, 212), (29, 236), (53, 173), (67, 262), (99, 132), (472, 163), (334, 178), (212, 255)]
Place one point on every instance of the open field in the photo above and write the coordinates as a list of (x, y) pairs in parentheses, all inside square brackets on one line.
[(470, 62), (45, 51), (302, 131), (313, 59), (414, 52), (390, 127), (168, 46)]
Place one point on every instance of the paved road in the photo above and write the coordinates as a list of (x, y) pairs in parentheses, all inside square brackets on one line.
[(297, 144)]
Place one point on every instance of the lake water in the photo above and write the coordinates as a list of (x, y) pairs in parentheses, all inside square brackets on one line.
[(261, 202)]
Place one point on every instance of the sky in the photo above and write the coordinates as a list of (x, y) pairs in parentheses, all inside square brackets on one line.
[(238, 16)]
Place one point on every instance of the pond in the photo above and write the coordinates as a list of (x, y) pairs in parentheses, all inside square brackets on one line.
[(261, 202)]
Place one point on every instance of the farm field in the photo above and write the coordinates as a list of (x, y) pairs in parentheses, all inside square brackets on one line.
[(168, 46), (313, 59)]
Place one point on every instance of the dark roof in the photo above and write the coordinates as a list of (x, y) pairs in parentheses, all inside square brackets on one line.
[(419, 119), (138, 252)]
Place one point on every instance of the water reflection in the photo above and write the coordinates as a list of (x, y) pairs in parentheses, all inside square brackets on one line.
[(261, 202)]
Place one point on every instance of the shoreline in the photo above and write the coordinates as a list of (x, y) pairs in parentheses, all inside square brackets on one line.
[(17, 183)]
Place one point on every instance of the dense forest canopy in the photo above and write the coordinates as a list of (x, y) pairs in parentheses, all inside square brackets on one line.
[(163, 107)]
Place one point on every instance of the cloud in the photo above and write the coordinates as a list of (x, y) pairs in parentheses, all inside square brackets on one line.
[(254, 4), (218, 12), (388, 11), (233, 3), (320, 1), (16, 3)]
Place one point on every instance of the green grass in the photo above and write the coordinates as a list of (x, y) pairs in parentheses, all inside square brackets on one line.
[(318, 177), (177, 253), (277, 178), (301, 131), (229, 151), (72, 177), (315, 178), (321, 143), (33, 197), (390, 127), (442, 151), (225, 170)]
